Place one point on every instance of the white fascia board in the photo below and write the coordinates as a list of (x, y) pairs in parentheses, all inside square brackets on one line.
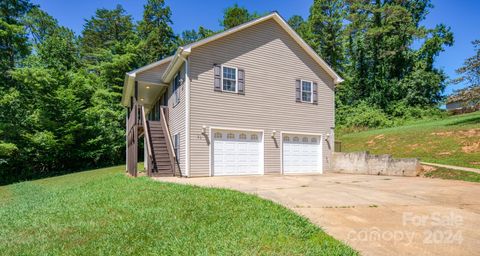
[(178, 59), (128, 85)]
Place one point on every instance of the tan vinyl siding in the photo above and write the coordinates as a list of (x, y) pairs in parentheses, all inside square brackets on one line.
[(154, 74), (177, 117), (272, 61)]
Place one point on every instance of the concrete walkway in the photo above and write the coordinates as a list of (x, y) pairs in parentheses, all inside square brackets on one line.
[(461, 168), (377, 215)]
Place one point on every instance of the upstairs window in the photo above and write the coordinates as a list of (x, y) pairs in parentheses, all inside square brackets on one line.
[(176, 90), (229, 79), (306, 91)]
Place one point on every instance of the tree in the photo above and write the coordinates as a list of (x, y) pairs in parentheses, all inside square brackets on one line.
[(470, 74), (382, 65), (301, 27), (190, 36), (236, 15), (108, 29), (326, 26), (158, 39), (13, 36)]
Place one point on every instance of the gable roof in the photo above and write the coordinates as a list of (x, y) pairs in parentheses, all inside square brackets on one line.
[(182, 52)]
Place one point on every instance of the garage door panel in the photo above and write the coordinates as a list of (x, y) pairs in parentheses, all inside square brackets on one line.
[(236, 153), (301, 154)]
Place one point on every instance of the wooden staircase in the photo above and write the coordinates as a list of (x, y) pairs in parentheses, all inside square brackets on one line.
[(162, 162)]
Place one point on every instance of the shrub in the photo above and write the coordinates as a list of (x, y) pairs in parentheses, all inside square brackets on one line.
[(362, 115)]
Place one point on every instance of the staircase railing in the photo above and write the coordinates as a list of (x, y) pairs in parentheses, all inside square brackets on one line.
[(171, 151), (146, 129)]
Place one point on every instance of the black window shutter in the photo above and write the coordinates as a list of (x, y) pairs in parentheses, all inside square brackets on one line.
[(241, 81), (315, 93), (217, 77), (297, 90)]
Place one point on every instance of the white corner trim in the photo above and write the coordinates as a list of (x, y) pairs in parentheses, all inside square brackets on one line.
[(187, 117)]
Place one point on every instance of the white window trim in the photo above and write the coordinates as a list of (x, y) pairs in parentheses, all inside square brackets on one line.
[(311, 91), (236, 78)]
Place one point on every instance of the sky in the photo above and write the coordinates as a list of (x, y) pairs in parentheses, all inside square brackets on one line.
[(461, 15)]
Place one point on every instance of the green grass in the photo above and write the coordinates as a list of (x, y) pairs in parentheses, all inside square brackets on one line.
[(454, 140), (104, 212), (449, 174)]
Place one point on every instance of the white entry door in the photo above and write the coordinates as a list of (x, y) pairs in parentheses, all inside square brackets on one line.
[(237, 152), (302, 153)]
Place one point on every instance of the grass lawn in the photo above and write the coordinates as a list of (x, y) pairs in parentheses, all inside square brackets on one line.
[(448, 174), (454, 140), (105, 212)]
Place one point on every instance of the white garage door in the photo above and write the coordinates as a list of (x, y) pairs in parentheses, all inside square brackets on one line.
[(237, 152), (302, 153)]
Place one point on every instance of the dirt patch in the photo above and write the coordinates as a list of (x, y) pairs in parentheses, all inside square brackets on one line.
[(371, 142), (471, 148), (426, 169), (413, 146), (470, 133), (462, 134), (475, 163), (446, 153), (441, 133)]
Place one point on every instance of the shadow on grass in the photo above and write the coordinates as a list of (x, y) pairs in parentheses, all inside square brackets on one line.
[(466, 121)]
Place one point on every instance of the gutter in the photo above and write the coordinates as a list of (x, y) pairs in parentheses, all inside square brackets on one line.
[(179, 57)]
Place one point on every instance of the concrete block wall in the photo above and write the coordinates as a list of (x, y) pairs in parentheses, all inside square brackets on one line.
[(365, 163)]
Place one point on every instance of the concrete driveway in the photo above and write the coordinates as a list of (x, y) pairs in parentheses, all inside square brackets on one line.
[(377, 215)]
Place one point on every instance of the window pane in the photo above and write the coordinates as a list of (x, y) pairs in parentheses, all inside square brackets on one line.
[(228, 85), (306, 86), (229, 73), (306, 96)]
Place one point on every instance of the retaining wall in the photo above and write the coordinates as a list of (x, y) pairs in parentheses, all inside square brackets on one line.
[(365, 163)]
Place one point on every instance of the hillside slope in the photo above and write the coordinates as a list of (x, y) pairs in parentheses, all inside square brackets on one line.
[(454, 140), (104, 212)]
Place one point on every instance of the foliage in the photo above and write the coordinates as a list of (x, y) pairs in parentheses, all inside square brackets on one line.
[(362, 115), (103, 212), (190, 36), (157, 37), (326, 27), (470, 72), (382, 67), (236, 15), (13, 36)]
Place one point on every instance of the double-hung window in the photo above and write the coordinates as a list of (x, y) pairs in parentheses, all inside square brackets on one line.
[(176, 145), (229, 79), (176, 91), (306, 90)]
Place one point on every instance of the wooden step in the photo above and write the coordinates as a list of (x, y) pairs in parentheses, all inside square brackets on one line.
[(162, 158)]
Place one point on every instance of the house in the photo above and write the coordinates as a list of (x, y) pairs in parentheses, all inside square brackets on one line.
[(464, 101), (252, 100)]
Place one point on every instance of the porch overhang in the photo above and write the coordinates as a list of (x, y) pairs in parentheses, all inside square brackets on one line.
[(148, 91)]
